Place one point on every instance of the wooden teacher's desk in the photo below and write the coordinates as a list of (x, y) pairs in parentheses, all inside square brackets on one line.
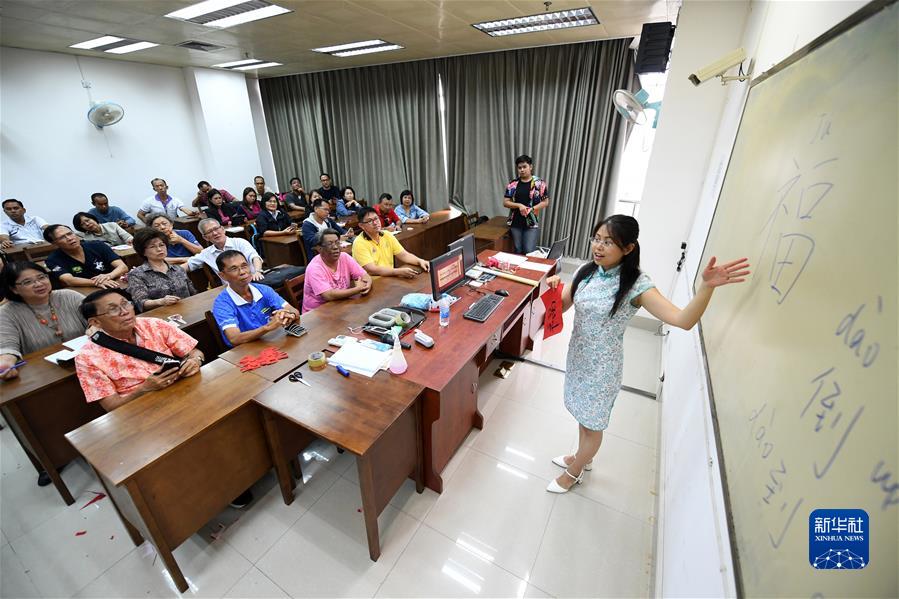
[(173, 459), (45, 401)]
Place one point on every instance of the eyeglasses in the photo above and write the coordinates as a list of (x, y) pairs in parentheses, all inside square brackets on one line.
[(606, 243), (155, 246), (68, 235), (213, 230), (33, 282), (371, 221), (118, 309), (330, 245), (233, 270)]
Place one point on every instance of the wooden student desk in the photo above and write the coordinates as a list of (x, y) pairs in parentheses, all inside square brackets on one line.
[(45, 401), (377, 419), (173, 459), (492, 235)]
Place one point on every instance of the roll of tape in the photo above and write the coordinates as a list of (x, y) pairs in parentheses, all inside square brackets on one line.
[(317, 361)]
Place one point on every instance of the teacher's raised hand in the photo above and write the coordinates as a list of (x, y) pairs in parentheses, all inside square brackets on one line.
[(716, 275)]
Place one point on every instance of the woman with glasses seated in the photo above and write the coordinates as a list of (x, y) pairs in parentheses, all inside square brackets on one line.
[(156, 283), (35, 316), (90, 229)]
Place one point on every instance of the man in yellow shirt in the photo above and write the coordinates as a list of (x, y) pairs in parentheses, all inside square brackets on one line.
[(375, 250)]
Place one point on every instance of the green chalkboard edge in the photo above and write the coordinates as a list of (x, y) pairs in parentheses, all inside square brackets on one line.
[(867, 11)]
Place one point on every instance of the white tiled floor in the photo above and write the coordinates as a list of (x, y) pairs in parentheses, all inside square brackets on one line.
[(493, 532)]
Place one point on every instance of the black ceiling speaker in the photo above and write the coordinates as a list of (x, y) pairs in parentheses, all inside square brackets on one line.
[(655, 45)]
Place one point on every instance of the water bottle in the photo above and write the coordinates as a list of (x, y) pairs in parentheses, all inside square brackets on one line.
[(444, 311)]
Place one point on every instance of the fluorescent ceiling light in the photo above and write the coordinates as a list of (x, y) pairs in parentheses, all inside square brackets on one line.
[(246, 17), (203, 8), (131, 48), (100, 41), (368, 50), (350, 46), (562, 19), (264, 65), (237, 63)]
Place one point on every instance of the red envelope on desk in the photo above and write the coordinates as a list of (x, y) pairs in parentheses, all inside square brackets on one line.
[(552, 321)]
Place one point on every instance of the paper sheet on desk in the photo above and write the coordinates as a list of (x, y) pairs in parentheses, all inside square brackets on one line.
[(357, 358), (76, 344), (62, 354), (344, 243), (538, 266), (120, 247), (513, 259), (233, 229)]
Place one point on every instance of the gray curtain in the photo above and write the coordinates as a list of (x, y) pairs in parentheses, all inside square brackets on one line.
[(552, 103), (376, 129)]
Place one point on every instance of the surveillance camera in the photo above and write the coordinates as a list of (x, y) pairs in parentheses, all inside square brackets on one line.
[(719, 67)]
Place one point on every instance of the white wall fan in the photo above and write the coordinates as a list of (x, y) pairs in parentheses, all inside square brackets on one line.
[(633, 107), (104, 114)]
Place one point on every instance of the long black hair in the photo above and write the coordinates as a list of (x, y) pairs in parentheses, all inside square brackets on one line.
[(624, 231)]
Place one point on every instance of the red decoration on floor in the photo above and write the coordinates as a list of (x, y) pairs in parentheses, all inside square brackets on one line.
[(80, 533), (266, 357), (97, 497)]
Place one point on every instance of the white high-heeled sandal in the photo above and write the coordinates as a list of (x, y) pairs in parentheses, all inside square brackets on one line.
[(560, 462), (554, 487)]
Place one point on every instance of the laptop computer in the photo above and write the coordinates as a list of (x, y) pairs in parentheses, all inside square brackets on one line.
[(554, 252)]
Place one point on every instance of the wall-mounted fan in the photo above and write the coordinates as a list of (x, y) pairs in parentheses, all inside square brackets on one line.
[(633, 107), (103, 114)]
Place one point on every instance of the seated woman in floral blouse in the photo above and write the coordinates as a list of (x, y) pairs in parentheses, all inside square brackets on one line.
[(156, 283)]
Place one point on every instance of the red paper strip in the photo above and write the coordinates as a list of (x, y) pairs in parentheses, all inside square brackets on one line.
[(552, 321), (80, 533), (97, 497)]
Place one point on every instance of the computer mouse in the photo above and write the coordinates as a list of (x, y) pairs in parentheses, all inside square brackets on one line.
[(502, 292)]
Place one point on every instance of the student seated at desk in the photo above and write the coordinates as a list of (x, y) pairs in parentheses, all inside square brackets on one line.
[(204, 190), (162, 202), (104, 213), (181, 243), (273, 222), (15, 227), (249, 204), (408, 212), (156, 283), (245, 311), (375, 250), (90, 229), (79, 263), (34, 317), (384, 210), (219, 242), (114, 378), (332, 275), (317, 222), (218, 209), (296, 197), (348, 205)]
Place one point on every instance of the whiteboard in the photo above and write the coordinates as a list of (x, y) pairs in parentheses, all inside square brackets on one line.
[(802, 358)]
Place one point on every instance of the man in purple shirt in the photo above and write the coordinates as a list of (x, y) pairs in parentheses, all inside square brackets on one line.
[(332, 275)]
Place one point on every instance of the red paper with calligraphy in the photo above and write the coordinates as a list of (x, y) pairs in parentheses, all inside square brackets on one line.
[(552, 321)]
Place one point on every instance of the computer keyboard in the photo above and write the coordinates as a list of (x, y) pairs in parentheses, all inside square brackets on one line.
[(483, 308)]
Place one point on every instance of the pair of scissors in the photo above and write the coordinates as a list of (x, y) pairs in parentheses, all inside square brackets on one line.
[(297, 377)]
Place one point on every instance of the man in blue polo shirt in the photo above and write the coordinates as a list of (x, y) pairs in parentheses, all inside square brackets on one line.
[(245, 311)]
